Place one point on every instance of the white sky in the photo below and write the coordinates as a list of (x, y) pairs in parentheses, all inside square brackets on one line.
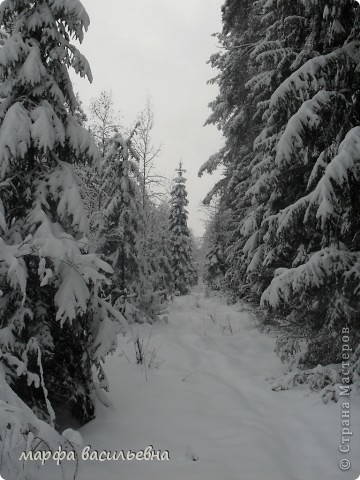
[(159, 48)]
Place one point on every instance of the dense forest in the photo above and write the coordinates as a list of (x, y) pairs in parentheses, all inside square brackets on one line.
[(285, 226)]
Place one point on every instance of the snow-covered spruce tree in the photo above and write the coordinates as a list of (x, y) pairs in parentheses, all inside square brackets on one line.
[(120, 236), (119, 231), (304, 219), (55, 327), (181, 247), (132, 246)]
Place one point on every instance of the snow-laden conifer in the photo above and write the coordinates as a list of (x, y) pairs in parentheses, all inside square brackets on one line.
[(56, 328), (120, 234), (183, 263)]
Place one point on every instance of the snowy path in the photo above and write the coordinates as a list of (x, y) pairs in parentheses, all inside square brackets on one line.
[(210, 397)]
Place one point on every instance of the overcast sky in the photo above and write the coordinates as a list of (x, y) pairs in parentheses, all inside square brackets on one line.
[(159, 48)]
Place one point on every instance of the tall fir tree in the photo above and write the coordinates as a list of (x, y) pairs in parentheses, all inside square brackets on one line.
[(55, 327), (183, 263)]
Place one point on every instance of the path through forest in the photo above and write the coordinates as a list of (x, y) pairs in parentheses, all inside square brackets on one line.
[(210, 404)]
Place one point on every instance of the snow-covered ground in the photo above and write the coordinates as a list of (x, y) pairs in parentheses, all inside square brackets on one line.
[(210, 404)]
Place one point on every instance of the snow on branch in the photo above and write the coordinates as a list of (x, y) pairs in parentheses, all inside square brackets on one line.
[(308, 117), (81, 141), (337, 173), (74, 10), (289, 216), (322, 266), (315, 73), (212, 163), (15, 138)]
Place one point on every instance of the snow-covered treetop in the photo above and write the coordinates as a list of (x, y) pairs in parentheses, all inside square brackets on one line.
[(36, 91), (46, 12), (179, 201), (39, 52)]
